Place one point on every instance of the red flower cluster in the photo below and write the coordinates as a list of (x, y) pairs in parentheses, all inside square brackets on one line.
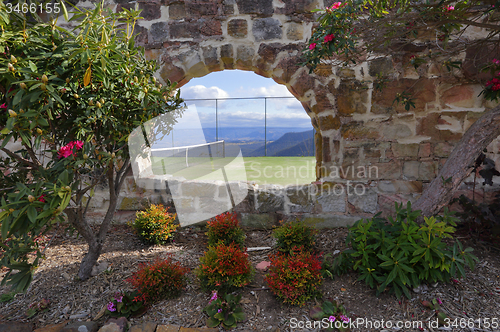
[(161, 279), (329, 38), (68, 149), (312, 46), (295, 278), (494, 84)]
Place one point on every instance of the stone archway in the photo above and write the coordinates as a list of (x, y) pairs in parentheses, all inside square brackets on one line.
[(194, 38)]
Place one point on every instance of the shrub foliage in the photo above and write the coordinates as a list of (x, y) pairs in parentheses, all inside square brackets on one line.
[(295, 278), (224, 268), (225, 228), (159, 280), (401, 254), (155, 225)]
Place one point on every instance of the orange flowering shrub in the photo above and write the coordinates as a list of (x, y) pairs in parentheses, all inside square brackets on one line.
[(161, 279), (295, 278), (224, 268), (155, 225), (225, 228)]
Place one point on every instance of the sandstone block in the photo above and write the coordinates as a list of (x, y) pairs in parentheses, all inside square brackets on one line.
[(266, 29), (295, 31), (259, 7), (237, 28), (159, 32), (177, 11)]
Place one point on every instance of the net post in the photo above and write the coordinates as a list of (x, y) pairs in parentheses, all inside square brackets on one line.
[(223, 149), (187, 164)]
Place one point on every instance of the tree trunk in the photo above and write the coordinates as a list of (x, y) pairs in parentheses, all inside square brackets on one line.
[(96, 241), (459, 163)]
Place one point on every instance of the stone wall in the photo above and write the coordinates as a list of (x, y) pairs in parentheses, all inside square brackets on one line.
[(357, 125)]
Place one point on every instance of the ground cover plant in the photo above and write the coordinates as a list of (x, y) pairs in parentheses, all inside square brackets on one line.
[(71, 98)]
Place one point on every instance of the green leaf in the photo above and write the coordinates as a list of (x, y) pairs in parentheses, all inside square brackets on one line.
[(212, 322), (32, 213)]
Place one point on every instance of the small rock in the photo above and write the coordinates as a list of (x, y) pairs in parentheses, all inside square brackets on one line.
[(111, 327), (82, 314), (66, 276), (100, 267), (80, 327), (144, 327), (52, 328), (121, 322), (262, 266), (66, 310)]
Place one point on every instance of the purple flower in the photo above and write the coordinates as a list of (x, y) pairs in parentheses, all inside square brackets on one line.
[(439, 301), (214, 297), (344, 318), (219, 311), (332, 318), (111, 306), (119, 298)]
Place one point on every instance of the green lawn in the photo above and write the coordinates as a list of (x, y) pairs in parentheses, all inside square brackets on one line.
[(262, 170)]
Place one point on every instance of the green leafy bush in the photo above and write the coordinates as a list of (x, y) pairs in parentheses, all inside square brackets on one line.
[(225, 228), (224, 268), (155, 225), (225, 311), (295, 278), (294, 234), (159, 280), (402, 254)]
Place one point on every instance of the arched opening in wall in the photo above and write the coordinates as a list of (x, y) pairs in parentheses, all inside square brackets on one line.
[(260, 118)]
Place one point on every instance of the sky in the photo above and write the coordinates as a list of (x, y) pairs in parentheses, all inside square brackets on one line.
[(244, 113)]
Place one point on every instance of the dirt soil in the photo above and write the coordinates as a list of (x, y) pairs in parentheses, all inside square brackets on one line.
[(476, 297)]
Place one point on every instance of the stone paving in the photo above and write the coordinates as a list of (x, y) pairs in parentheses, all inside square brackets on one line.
[(112, 325)]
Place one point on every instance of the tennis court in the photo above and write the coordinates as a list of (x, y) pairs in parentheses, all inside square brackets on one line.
[(262, 170)]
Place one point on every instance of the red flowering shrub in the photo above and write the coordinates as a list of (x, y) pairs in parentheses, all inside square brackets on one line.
[(224, 268), (295, 278), (161, 279), (225, 228)]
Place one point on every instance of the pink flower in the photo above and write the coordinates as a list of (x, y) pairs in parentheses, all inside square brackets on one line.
[(214, 297), (329, 38), (344, 318), (312, 46), (332, 318), (336, 5), (3, 105), (42, 199), (219, 311), (449, 8), (495, 61), (67, 150), (439, 301), (111, 306), (118, 298)]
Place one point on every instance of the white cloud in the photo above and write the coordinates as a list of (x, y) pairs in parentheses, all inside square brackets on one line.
[(203, 92)]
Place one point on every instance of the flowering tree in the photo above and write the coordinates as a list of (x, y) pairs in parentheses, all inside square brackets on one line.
[(435, 31), (70, 100)]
